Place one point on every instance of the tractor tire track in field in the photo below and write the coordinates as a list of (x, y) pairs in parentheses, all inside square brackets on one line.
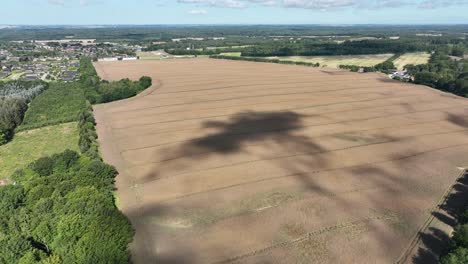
[(318, 171), (303, 126), (223, 155)]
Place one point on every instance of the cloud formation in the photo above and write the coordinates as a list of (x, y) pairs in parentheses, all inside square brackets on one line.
[(325, 4), (198, 12), (73, 2)]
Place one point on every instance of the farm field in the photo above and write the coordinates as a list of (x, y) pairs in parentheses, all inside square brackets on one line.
[(331, 61), (411, 58), (30, 145), (335, 61), (243, 162)]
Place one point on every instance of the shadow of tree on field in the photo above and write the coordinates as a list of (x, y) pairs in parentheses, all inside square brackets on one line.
[(244, 128), (235, 135), (459, 120), (435, 241)]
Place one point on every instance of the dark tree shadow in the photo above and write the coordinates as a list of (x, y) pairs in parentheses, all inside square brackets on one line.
[(459, 120), (435, 241), (240, 131), (246, 127)]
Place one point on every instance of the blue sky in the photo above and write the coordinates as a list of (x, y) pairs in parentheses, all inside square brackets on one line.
[(91, 12)]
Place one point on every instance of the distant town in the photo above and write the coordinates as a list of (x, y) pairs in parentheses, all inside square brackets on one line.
[(56, 60)]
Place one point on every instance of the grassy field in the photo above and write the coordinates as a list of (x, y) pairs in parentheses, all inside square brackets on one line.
[(335, 61), (60, 103), (412, 58), (30, 145), (332, 61), (236, 54), (149, 56)]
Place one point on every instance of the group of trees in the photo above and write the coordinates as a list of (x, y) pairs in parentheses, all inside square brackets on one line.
[(266, 60), (88, 136), (443, 73), (318, 48), (61, 103), (14, 99), (101, 91), (61, 210), (457, 252)]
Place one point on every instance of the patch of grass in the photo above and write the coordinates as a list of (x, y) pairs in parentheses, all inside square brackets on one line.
[(30, 145), (116, 199), (235, 54), (61, 103), (411, 58)]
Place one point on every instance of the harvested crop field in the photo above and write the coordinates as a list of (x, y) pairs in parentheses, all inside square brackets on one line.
[(243, 162)]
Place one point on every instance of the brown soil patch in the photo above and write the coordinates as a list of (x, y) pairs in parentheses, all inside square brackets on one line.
[(229, 161)]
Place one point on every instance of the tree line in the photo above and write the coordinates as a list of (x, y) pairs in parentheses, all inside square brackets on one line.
[(102, 91), (320, 48), (309, 64)]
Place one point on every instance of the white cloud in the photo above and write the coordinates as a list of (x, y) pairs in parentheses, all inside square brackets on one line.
[(229, 3), (432, 4), (326, 4), (198, 12), (319, 4), (74, 2), (216, 3), (56, 2)]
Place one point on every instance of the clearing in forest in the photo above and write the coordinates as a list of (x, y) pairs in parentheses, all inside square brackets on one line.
[(242, 162), (411, 58), (27, 146)]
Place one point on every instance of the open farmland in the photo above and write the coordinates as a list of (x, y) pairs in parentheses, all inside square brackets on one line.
[(335, 61), (332, 61), (412, 58), (241, 162)]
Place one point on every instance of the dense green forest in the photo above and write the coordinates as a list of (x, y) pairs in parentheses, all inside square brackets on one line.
[(61, 103), (61, 210), (317, 48), (14, 99), (443, 72)]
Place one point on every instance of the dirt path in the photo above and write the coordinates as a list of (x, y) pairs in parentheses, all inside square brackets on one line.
[(241, 162)]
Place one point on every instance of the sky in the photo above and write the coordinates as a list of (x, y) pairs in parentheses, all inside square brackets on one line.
[(151, 12)]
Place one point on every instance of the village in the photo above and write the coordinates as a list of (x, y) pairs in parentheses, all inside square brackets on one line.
[(55, 60)]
